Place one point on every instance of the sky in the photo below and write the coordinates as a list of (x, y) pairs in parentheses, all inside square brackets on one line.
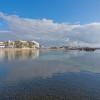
[(51, 22)]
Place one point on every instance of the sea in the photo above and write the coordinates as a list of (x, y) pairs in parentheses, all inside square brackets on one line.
[(49, 75)]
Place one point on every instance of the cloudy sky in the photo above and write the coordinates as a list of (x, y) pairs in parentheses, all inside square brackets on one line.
[(51, 22)]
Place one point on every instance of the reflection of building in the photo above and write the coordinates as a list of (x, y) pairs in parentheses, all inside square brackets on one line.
[(12, 54), (2, 54)]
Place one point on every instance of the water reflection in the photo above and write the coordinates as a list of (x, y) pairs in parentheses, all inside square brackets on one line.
[(22, 65), (54, 75), (14, 54)]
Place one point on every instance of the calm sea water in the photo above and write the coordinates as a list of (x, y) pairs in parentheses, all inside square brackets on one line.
[(49, 75)]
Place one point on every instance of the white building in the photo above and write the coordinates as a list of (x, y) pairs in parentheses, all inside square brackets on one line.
[(10, 44), (2, 45), (36, 44)]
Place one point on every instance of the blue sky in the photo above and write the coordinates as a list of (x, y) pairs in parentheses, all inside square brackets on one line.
[(82, 11), (63, 21)]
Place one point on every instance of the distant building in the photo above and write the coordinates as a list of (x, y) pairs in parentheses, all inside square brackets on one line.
[(26, 44), (19, 44), (37, 45), (9, 44), (2, 45)]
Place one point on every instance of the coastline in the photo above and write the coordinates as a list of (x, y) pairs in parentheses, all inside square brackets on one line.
[(55, 49)]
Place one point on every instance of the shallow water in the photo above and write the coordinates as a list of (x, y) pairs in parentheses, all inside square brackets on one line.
[(49, 75)]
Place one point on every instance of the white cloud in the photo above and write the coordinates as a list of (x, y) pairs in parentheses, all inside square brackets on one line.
[(48, 31)]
